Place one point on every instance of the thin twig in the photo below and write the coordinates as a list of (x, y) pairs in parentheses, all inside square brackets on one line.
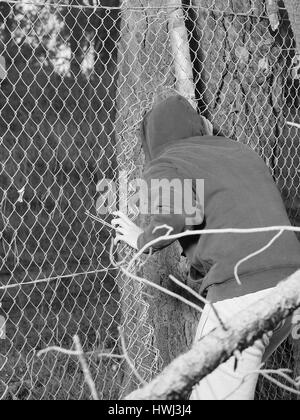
[(76, 353), (265, 373), (55, 278), (178, 378), (85, 369), (209, 232), (115, 263), (293, 124), (127, 358), (254, 254), (143, 263), (98, 219), (160, 288), (281, 385), (200, 298)]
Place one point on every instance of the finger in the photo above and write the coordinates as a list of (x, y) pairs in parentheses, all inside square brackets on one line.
[(121, 230), (118, 239), (121, 226), (122, 216), (117, 213), (120, 223)]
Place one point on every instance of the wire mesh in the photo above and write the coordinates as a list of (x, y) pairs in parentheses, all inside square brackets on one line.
[(75, 87), (57, 141)]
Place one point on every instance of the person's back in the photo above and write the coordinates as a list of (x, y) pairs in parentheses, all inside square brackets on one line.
[(239, 192)]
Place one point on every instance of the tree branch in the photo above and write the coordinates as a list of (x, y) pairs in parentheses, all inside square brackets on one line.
[(176, 380)]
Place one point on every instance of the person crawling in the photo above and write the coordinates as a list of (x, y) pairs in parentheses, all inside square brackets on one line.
[(239, 192)]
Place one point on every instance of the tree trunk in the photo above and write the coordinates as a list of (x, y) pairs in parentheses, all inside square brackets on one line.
[(151, 319)]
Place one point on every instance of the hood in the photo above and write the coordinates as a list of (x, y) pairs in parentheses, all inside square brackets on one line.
[(171, 121)]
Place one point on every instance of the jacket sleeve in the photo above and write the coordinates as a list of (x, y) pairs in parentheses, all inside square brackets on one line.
[(166, 205), (173, 221)]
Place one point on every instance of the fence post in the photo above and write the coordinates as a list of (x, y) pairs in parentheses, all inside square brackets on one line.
[(183, 67)]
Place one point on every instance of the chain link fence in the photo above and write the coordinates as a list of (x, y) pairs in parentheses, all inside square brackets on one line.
[(66, 87), (58, 140)]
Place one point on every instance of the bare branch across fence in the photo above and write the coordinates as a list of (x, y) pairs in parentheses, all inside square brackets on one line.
[(176, 381)]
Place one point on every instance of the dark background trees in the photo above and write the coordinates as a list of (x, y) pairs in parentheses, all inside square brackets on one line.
[(57, 140)]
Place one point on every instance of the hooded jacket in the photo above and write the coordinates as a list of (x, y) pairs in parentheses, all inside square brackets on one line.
[(239, 192)]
